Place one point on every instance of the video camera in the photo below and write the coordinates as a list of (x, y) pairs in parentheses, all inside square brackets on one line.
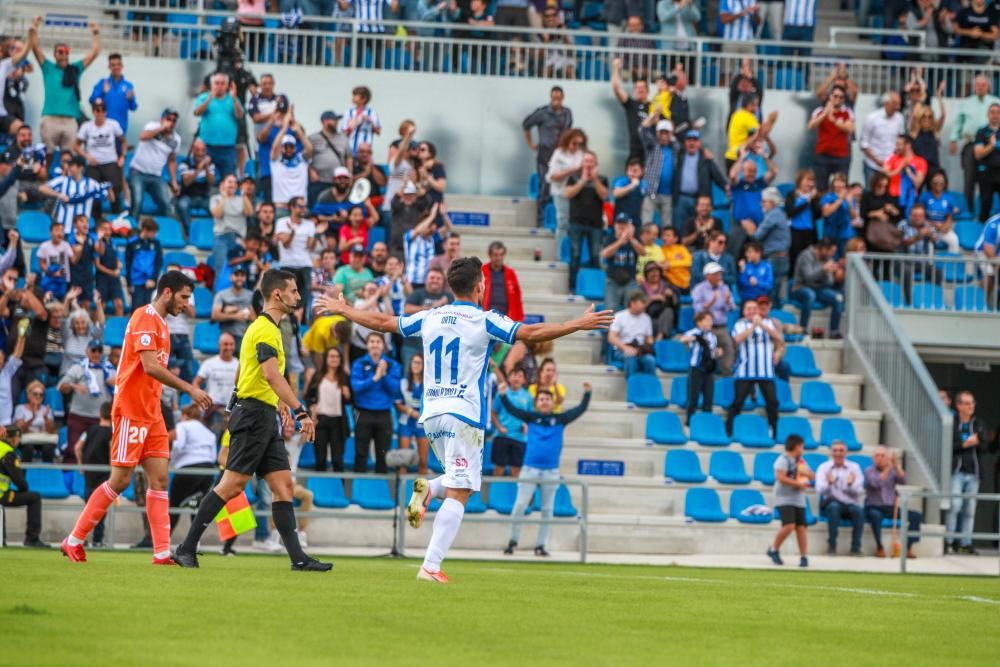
[(227, 41)]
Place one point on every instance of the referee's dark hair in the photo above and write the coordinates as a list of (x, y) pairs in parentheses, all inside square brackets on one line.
[(463, 274), (274, 279), (174, 281)]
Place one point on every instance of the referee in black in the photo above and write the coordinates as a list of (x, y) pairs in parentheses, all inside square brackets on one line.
[(255, 445)]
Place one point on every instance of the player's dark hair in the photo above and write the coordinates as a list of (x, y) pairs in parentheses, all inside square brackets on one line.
[(793, 441), (274, 279), (464, 274), (174, 281)]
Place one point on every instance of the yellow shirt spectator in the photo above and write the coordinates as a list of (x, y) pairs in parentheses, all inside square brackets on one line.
[(654, 255), (741, 126), (678, 259)]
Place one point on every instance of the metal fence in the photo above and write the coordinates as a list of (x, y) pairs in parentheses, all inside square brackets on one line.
[(937, 282), (906, 495), (459, 49), (875, 336)]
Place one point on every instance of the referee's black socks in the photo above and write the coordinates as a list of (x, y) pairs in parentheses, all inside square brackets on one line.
[(284, 520), (209, 508)]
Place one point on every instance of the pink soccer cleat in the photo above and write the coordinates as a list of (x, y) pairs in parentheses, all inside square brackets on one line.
[(164, 561), (438, 577), (76, 553)]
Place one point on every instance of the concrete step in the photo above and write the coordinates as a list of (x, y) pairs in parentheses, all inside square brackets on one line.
[(520, 247), (523, 209), (551, 277)]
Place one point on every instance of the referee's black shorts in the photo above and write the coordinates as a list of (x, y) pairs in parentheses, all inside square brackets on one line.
[(255, 444)]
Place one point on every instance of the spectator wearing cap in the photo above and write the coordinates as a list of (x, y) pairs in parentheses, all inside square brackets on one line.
[(774, 236), (586, 192), (101, 141), (715, 252), (549, 121), (61, 78), (814, 281), (159, 145), (230, 210), (502, 290), (333, 204), (331, 152), (713, 295), (76, 193), (694, 173), (231, 307), (452, 249), (289, 165), (197, 177), (86, 385), (266, 135), (636, 108), (353, 276), (621, 254), (659, 171), (117, 93), (221, 112)]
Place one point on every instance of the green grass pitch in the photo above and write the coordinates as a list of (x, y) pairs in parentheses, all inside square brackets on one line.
[(251, 610)]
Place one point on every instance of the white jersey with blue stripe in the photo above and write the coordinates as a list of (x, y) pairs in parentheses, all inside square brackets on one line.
[(457, 342), (800, 12), (755, 355), (990, 234)]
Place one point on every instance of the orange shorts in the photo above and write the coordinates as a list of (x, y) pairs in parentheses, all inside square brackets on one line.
[(132, 442)]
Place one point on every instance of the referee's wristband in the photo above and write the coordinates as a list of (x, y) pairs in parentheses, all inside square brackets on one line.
[(301, 412)]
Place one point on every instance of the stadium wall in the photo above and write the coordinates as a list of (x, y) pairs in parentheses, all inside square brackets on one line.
[(474, 120)]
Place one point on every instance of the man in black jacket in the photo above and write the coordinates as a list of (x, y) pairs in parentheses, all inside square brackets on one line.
[(694, 173), (10, 471), (969, 435)]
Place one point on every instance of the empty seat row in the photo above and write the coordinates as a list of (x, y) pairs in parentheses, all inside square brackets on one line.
[(745, 506), (684, 466), (664, 428), (645, 391)]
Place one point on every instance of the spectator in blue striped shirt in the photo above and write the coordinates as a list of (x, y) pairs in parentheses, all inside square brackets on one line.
[(800, 25), (418, 246), (755, 339), (361, 121), (704, 347), (76, 193), (738, 18)]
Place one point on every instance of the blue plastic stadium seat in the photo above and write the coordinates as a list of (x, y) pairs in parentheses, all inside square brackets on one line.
[(54, 399), (679, 391), (892, 292), (728, 468), (785, 188), (203, 298), (563, 505), (202, 236), (371, 494), (763, 467), (862, 460), (785, 401), (682, 465), (376, 235), (801, 362), (550, 219), (703, 505), (114, 331), (740, 499), (664, 428), (724, 393), (79, 484), (970, 297), (590, 284), (958, 199), (33, 226), (818, 396), (752, 431), (33, 264), (708, 429), (206, 337), (171, 234), (799, 426), (180, 258), (954, 272), (671, 356), (645, 391), (534, 186), (814, 461), (927, 296), (48, 482), (502, 496), (685, 318), (968, 232), (327, 492), (307, 457), (838, 428)]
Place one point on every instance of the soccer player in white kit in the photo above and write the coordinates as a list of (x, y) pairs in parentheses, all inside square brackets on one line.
[(457, 341)]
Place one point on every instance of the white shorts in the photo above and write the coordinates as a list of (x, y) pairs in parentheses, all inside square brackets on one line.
[(459, 448)]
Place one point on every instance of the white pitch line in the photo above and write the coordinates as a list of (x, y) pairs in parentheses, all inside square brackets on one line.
[(976, 598)]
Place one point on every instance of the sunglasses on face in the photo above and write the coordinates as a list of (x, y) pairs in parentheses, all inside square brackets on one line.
[(37, 393), (62, 52)]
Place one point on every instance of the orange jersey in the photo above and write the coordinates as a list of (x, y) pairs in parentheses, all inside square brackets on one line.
[(137, 396)]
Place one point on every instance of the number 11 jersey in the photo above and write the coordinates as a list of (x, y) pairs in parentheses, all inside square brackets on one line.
[(457, 341)]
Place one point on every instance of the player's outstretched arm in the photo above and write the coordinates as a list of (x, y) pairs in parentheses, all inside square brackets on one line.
[(589, 321), (154, 370), (326, 305)]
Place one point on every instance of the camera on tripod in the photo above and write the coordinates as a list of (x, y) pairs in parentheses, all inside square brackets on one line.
[(227, 42)]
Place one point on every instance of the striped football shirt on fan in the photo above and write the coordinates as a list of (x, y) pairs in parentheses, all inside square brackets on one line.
[(800, 12), (81, 196), (370, 10), (755, 355), (695, 360), (740, 30)]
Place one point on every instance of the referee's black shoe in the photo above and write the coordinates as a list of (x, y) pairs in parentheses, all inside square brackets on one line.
[(184, 559), (308, 565)]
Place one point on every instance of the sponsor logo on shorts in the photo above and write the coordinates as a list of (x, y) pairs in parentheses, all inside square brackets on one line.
[(446, 392), (441, 435), (461, 462)]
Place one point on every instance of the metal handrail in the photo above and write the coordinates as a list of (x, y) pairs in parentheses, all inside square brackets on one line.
[(905, 495), (949, 273), (919, 35)]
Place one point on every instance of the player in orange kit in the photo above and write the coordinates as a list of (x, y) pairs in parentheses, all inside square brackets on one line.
[(139, 434)]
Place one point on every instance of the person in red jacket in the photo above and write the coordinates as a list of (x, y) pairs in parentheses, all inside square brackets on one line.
[(506, 301)]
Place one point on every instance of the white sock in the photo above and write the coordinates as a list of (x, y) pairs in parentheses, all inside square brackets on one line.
[(436, 486), (74, 541), (446, 525), (161, 554)]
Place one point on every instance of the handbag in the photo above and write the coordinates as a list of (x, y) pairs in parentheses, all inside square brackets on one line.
[(883, 236)]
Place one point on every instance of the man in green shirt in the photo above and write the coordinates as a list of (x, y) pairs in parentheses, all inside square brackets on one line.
[(61, 78), (972, 112), (352, 277)]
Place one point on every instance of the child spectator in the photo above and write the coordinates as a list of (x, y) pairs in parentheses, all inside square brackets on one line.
[(411, 389), (107, 280), (677, 260), (630, 190), (704, 347), (81, 270), (791, 479), (509, 443), (143, 263), (756, 276), (54, 258)]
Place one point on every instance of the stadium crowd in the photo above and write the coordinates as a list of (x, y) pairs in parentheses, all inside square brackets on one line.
[(676, 224)]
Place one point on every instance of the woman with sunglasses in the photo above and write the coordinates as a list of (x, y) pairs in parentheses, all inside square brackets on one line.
[(925, 128), (36, 417)]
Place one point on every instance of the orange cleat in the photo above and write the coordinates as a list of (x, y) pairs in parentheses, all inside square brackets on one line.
[(438, 577), (164, 561), (76, 553)]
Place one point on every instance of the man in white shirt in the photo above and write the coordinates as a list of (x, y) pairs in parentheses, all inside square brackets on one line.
[(631, 334), (218, 376), (159, 144), (289, 166), (841, 488), (296, 235), (8, 123), (879, 133), (102, 143)]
